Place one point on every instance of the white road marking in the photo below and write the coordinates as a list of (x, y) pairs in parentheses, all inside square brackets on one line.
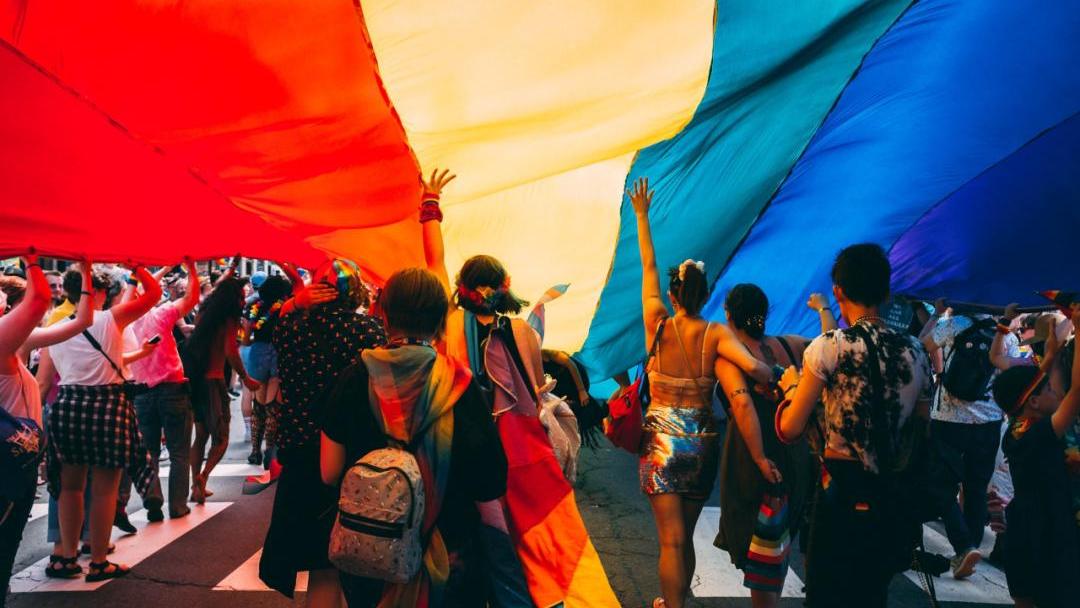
[(130, 549), (986, 586), (246, 577), (225, 470), (716, 576)]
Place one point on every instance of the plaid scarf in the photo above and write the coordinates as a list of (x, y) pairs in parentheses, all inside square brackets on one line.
[(413, 389)]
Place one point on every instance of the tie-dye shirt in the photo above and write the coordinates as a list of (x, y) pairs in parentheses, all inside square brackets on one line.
[(839, 358)]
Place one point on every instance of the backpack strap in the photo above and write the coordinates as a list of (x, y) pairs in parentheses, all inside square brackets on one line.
[(880, 430), (97, 346)]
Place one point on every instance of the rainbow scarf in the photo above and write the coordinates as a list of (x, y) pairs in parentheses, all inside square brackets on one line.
[(413, 388)]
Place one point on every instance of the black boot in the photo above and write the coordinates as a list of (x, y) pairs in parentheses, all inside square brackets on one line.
[(121, 521)]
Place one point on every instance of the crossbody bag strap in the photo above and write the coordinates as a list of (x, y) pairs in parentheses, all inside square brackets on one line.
[(97, 346), (655, 344), (787, 349), (877, 408), (686, 359)]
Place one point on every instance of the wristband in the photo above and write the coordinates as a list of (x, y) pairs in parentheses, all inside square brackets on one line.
[(1003, 329), (34, 264), (429, 210), (776, 422), (87, 293), (791, 388), (132, 281)]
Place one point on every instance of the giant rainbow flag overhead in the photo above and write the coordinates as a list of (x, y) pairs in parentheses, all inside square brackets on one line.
[(775, 132)]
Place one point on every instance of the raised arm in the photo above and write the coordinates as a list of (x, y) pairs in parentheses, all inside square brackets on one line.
[(295, 279), (230, 272), (746, 419), (17, 325), (652, 306), (193, 293), (431, 224), (126, 313), (58, 332), (819, 303), (926, 336), (1066, 413)]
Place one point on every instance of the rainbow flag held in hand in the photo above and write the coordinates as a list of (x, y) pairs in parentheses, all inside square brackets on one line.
[(1063, 299), (536, 316)]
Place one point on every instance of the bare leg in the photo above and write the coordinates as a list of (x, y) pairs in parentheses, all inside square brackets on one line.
[(219, 443), (198, 448), (104, 489), (72, 486), (671, 528), (691, 511), (324, 589), (764, 599)]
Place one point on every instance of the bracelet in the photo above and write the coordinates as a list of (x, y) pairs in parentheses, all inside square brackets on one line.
[(429, 210), (738, 391), (776, 422), (87, 293), (1003, 329), (34, 264), (791, 388), (822, 309), (132, 281)]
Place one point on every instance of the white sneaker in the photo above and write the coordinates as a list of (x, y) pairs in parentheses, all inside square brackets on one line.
[(963, 566)]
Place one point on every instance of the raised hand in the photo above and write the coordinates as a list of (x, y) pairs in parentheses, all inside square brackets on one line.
[(314, 294), (640, 196), (817, 302), (434, 186), (940, 306), (31, 257), (1012, 311)]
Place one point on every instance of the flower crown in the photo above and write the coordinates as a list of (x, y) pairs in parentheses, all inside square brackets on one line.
[(484, 300)]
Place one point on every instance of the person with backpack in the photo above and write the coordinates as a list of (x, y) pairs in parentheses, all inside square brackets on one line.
[(965, 419), (875, 384), (92, 425), (409, 438), (1042, 546)]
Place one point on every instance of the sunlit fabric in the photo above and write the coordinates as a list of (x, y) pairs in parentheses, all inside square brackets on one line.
[(275, 105), (947, 108), (539, 108), (1039, 180), (777, 68)]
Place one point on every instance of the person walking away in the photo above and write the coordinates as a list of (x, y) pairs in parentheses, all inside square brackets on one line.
[(965, 419), (319, 335), (92, 426), (407, 393), (211, 345), (858, 539), (23, 440), (763, 482), (261, 360), (680, 450), (163, 406)]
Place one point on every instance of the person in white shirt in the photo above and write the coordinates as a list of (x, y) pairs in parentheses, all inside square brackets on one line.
[(92, 425)]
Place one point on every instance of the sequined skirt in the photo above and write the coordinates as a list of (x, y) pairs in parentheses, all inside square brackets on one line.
[(680, 451)]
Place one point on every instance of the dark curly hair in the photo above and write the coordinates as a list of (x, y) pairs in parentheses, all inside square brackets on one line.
[(690, 292), (274, 289), (748, 307), (485, 271)]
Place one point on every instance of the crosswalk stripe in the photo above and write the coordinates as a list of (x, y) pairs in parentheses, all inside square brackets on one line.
[(986, 586), (130, 549), (225, 470), (246, 577), (38, 510), (716, 576)]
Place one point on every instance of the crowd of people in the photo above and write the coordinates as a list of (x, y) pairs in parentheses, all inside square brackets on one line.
[(839, 446)]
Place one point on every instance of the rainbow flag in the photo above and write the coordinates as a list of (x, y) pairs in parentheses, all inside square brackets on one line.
[(536, 318), (1063, 299)]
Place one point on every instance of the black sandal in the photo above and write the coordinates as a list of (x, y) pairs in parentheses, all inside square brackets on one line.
[(85, 549), (104, 571), (63, 567)]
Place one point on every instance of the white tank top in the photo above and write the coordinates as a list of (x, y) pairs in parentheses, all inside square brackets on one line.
[(79, 363), (19, 394)]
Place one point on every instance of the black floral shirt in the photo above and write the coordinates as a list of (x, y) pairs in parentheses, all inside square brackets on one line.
[(313, 348), (838, 358)]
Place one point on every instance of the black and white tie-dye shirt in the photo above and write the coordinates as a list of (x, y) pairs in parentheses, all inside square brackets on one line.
[(838, 358)]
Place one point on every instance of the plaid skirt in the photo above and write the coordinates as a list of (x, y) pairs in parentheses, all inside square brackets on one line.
[(96, 426)]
